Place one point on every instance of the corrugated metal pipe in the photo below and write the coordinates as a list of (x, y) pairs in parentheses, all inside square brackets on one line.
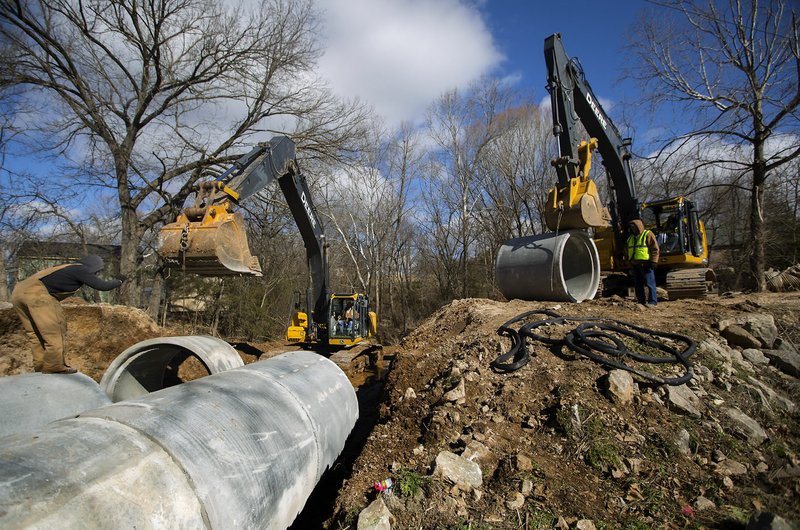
[(242, 448)]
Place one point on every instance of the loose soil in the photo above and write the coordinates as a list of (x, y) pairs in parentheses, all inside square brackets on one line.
[(557, 449)]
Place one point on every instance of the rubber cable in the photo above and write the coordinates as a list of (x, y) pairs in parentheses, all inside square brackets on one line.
[(598, 340)]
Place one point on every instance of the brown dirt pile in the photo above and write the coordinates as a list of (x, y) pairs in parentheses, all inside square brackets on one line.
[(96, 334), (554, 448)]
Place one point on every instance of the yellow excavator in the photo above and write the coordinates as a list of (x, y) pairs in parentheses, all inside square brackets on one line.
[(209, 239), (574, 203)]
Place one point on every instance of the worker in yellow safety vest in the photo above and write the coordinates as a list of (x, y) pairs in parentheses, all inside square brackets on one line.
[(643, 254)]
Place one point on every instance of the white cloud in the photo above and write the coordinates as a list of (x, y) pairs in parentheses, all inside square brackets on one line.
[(399, 55)]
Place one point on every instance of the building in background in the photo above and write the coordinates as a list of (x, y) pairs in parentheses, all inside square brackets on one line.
[(33, 256)]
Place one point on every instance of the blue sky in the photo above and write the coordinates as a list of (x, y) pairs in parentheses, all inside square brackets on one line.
[(399, 55)]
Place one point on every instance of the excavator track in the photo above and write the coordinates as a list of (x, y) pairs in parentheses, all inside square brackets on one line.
[(358, 358), (690, 283)]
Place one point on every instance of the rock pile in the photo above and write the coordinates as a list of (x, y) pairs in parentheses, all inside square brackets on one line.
[(562, 443)]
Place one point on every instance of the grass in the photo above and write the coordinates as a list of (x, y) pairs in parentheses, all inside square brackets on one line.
[(603, 455), (777, 449), (537, 519), (352, 515), (410, 483)]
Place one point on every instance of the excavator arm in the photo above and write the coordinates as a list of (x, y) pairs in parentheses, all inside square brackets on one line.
[(209, 238), (574, 201)]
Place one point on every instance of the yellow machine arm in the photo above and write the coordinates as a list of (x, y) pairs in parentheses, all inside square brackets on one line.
[(576, 205)]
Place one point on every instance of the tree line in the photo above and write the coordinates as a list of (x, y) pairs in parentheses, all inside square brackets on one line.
[(135, 102)]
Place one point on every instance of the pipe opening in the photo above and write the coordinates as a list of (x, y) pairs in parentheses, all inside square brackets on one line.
[(156, 364), (580, 269)]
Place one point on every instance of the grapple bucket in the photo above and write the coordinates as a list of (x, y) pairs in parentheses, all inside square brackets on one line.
[(214, 246)]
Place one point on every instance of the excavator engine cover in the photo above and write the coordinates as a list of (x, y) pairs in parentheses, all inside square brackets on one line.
[(216, 245)]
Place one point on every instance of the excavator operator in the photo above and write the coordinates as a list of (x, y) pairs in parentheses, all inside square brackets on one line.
[(643, 254)]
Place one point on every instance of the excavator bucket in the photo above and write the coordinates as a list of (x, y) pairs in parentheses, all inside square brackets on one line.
[(216, 245), (576, 206)]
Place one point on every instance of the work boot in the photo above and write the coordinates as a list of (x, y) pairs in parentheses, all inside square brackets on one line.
[(62, 370)]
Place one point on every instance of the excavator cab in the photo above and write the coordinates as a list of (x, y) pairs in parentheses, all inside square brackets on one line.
[(209, 239), (349, 319), (681, 235), (683, 265)]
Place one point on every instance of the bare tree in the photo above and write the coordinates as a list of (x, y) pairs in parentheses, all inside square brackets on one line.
[(145, 95), (736, 71), (516, 174), (463, 127), (368, 205)]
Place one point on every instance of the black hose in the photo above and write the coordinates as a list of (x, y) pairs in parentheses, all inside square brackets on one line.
[(597, 339)]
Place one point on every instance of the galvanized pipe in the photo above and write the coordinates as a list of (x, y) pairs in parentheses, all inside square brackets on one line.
[(561, 267), (239, 449)]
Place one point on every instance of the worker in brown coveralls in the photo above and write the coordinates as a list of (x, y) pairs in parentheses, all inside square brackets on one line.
[(37, 301)]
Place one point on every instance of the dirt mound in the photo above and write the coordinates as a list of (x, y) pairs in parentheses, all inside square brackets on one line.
[(96, 334), (553, 445)]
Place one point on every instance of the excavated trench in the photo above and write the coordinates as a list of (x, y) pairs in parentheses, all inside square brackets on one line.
[(369, 391)]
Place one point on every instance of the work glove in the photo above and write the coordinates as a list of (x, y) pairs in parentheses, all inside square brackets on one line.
[(122, 278)]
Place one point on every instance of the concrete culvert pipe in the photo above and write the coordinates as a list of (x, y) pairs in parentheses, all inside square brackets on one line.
[(238, 449), (29, 401), (152, 364), (563, 267)]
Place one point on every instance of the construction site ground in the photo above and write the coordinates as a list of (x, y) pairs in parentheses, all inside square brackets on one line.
[(555, 448)]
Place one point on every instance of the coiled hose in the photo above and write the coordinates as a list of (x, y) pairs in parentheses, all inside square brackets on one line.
[(599, 340)]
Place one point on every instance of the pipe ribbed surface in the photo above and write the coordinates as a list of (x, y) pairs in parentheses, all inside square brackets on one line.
[(239, 449), (562, 267), (145, 366), (29, 401)]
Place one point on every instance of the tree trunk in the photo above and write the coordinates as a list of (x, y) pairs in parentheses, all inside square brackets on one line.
[(154, 303), (4, 279), (757, 232), (129, 257)]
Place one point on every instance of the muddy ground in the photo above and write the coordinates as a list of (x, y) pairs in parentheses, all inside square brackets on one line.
[(554, 447)]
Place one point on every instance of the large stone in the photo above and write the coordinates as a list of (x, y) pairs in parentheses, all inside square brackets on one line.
[(730, 467), (376, 516), (682, 399), (481, 455), (620, 386), (786, 360), (746, 425), (464, 473), (767, 521), (684, 442), (702, 503), (456, 393), (775, 398), (516, 502), (754, 356), (759, 325), (736, 335)]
